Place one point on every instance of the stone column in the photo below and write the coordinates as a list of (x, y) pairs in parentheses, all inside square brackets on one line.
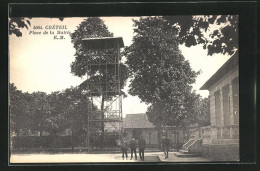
[(221, 107), (221, 112), (213, 121), (231, 104), (231, 108), (212, 108)]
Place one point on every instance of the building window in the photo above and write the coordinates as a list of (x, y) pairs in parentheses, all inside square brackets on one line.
[(217, 107)]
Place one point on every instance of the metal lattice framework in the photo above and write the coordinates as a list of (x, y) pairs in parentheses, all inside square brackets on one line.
[(103, 85)]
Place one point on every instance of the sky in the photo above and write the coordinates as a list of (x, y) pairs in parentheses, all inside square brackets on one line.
[(38, 62)]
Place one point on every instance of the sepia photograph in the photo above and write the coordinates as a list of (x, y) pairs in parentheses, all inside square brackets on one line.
[(123, 89)]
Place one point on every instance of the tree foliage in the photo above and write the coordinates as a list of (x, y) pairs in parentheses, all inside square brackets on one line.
[(203, 112), (156, 63), (52, 114), (217, 33), (39, 111), (69, 112), (161, 76), (75, 108), (16, 23), (195, 110), (19, 114)]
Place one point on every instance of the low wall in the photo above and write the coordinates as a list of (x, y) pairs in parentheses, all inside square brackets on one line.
[(41, 142), (62, 141), (221, 152)]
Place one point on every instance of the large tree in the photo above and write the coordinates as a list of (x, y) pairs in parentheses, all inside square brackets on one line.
[(161, 77), (94, 27)]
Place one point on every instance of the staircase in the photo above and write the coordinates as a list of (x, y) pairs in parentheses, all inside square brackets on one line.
[(190, 149)]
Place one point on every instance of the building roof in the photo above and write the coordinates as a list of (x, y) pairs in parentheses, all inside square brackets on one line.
[(103, 42), (137, 121), (226, 67)]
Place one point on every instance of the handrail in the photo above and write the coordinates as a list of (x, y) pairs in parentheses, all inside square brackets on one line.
[(190, 141)]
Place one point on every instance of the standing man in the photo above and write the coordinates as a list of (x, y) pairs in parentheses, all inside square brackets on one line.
[(165, 145), (133, 145), (141, 145), (124, 147)]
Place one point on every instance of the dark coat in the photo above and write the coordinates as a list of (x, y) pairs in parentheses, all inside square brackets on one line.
[(133, 144), (141, 143), (124, 144), (166, 142)]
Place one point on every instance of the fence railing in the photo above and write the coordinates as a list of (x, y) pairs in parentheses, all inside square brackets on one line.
[(227, 132), (223, 132)]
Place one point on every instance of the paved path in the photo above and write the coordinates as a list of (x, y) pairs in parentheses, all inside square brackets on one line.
[(173, 158), (96, 158)]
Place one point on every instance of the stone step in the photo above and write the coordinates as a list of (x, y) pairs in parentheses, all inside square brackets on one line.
[(187, 155)]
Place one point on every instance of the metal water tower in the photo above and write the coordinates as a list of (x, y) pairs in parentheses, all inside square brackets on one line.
[(103, 86)]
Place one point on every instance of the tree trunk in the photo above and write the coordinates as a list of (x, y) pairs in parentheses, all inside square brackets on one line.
[(177, 139), (40, 129), (102, 122), (17, 133), (40, 133), (18, 138), (159, 139), (72, 140)]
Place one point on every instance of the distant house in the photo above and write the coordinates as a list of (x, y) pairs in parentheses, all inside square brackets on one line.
[(221, 138), (135, 125)]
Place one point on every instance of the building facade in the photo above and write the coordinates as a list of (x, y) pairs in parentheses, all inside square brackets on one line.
[(221, 138)]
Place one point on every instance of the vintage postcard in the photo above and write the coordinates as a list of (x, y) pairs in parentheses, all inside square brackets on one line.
[(124, 89)]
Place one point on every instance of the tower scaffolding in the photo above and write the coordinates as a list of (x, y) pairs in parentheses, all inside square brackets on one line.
[(103, 86)]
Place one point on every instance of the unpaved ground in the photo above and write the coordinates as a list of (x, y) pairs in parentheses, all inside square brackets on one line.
[(95, 158)]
